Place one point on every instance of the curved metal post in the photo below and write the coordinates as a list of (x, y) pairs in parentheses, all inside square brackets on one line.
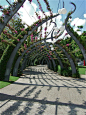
[(60, 62), (11, 13), (49, 64), (48, 61), (69, 58), (15, 70), (73, 36), (10, 61)]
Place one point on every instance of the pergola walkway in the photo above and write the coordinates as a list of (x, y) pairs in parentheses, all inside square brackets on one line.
[(41, 91)]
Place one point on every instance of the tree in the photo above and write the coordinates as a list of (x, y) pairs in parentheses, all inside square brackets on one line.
[(17, 24)]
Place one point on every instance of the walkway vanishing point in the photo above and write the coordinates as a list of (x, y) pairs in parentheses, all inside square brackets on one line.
[(41, 91)]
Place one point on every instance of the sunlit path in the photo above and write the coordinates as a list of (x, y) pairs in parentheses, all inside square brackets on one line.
[(40, 91)]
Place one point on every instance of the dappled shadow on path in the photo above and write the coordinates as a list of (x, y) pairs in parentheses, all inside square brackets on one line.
[(30, 103), (4, 97), (45, 93)]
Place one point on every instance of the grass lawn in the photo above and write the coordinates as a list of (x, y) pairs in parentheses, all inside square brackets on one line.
[(82, 69), (4, 84)]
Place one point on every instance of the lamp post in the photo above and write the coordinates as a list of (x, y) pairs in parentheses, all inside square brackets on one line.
[(15, 0), (62, 28), (51, 45), (62, 11), (52, 48), (56, 29), (55, 33)]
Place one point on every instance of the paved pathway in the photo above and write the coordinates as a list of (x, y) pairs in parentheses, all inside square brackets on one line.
[(41, 91)]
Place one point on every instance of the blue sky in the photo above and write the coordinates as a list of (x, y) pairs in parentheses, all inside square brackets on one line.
[(78, 18), (80, 7), (80, 4)]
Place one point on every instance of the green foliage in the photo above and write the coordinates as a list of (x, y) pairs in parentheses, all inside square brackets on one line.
[(21, 35), (80, 27), (82, 40), (16, 23), (19, 72), (77, 75), (66, 72), (56, 62), (69, 13), (2, 48), (4, 59)]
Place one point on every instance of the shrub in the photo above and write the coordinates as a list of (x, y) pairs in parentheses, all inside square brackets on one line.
[(66, 72), (76, 75), (4, 59)]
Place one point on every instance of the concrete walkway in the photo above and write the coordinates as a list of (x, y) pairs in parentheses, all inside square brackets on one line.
[(43, 92)]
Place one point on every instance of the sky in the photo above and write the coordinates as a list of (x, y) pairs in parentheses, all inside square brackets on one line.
[(28, 12)]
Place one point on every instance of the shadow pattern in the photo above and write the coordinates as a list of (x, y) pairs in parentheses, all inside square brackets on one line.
[(45, 92)]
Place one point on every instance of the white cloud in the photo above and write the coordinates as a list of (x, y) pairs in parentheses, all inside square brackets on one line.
[(49, 26), (6, 6), (60, 37), (78, 22), (84, 15), (79, 32), (27, 11), (29, 17), (34, 6), (75, 29), (58, 21), (67, 36), (70, 20)]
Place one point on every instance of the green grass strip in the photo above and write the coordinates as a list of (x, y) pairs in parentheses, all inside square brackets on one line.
[(82, 70), (11, 80)]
